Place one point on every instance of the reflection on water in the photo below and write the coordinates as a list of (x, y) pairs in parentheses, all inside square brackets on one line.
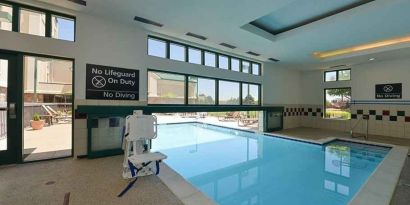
[(337, 161), (233, 167)]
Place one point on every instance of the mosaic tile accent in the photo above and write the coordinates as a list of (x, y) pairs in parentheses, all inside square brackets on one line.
[(390, 116), (289, 112)]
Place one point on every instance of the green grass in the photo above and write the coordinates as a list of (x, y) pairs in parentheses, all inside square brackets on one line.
[(337, 114)]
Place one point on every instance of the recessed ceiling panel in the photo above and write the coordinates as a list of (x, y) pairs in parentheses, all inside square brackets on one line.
[(302, 12)]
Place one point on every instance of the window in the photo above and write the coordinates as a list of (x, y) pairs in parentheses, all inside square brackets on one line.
[(179, 51), (246, 66), (49, 71), (210, 59), (235, 64), (344, 74), (228, 93), (337, 75), (337, 103), (32, 22), (157, 48), (201, 91), (250, 94), (223, 62), (194, 56), (6, 17), (256, 69), (176, 52), (62, 28), (166, 88)]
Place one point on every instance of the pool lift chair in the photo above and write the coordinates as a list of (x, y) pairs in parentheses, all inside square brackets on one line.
[(138, 160)]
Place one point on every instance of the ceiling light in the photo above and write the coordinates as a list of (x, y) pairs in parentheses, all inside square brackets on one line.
[(363, 47), (372, 59)]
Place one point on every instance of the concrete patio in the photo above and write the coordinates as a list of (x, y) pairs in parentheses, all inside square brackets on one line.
[(50, 142)]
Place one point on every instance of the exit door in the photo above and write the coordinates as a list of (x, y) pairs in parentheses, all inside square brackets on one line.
[(10, 115)]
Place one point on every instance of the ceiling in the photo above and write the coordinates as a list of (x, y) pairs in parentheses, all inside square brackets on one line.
[(222, 21)]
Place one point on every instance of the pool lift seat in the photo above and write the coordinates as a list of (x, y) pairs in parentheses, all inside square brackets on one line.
[(138, 160)]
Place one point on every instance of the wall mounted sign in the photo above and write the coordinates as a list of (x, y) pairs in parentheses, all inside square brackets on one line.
[(111, 83), (389, 91)]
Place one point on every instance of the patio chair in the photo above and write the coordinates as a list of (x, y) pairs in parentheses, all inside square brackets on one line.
[(139, 131), (56, 115), (229, 116), (245, 120)]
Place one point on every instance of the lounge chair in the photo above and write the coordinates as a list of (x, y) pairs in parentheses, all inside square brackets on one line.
[(245, 120), (229, 116), (56, 115)]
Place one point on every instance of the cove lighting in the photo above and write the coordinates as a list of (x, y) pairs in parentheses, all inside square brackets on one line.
[(358, 48)]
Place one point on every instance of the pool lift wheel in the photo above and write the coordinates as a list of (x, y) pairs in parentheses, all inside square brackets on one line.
[(366, 120)]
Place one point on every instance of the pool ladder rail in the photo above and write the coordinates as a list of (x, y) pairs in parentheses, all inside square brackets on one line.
[(366, 120)]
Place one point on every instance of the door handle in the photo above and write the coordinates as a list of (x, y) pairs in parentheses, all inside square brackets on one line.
[(12, 110)]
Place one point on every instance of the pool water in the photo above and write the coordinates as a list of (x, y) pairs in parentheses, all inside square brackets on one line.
[(241, 168)]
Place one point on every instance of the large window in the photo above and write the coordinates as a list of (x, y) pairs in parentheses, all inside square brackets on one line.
[(201, 91), (228, 93), (337, 75), (337, 103), (194, 56), (32, 22), (177, 51), (62, 28), (166, 88), (250, 94), (172, 88), (6, 17), (157, 48), (37, 21)]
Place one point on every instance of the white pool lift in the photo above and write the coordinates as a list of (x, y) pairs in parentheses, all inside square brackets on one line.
[(138, 160)]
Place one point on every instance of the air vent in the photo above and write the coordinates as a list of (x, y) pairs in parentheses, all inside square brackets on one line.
[(228, 45), (81, 2), (253, 53), (196, 36), (337, 66), (147, 21), (273, 59)]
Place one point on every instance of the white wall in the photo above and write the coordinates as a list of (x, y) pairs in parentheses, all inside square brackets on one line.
[(364, 77), (280, 85)]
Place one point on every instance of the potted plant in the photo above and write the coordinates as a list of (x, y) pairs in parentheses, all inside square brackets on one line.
[(37, 123)]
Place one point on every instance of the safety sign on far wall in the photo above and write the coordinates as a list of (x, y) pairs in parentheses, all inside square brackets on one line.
[(111, 83), (389, 91)]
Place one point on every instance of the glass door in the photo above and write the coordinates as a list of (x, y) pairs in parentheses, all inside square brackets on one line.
[(9, 113)]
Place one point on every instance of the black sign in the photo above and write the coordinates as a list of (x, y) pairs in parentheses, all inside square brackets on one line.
[(389, 91), (111, 83)]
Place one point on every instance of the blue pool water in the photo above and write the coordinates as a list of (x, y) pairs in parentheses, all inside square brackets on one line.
[(241, 168)]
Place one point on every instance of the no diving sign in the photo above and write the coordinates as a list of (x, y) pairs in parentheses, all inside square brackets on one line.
[(111, 83)]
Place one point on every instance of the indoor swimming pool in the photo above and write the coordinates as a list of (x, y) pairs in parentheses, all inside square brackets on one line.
[(237, 167)]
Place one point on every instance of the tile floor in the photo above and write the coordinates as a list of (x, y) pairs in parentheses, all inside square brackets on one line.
[(96, 181)]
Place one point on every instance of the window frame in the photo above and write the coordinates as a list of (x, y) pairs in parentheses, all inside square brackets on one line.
[(203, 51), (324, 101), (200, 53), (259, 93), (185, 50), (186, 104), (16, 18), (337, 75)]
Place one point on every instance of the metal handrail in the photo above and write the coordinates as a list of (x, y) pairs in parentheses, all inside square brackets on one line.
[(366, 136)]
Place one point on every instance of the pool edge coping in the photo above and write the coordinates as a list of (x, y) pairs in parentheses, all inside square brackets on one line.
[(378, 189)]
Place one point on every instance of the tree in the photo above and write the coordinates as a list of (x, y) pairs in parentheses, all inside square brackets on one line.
[(344, 93)]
